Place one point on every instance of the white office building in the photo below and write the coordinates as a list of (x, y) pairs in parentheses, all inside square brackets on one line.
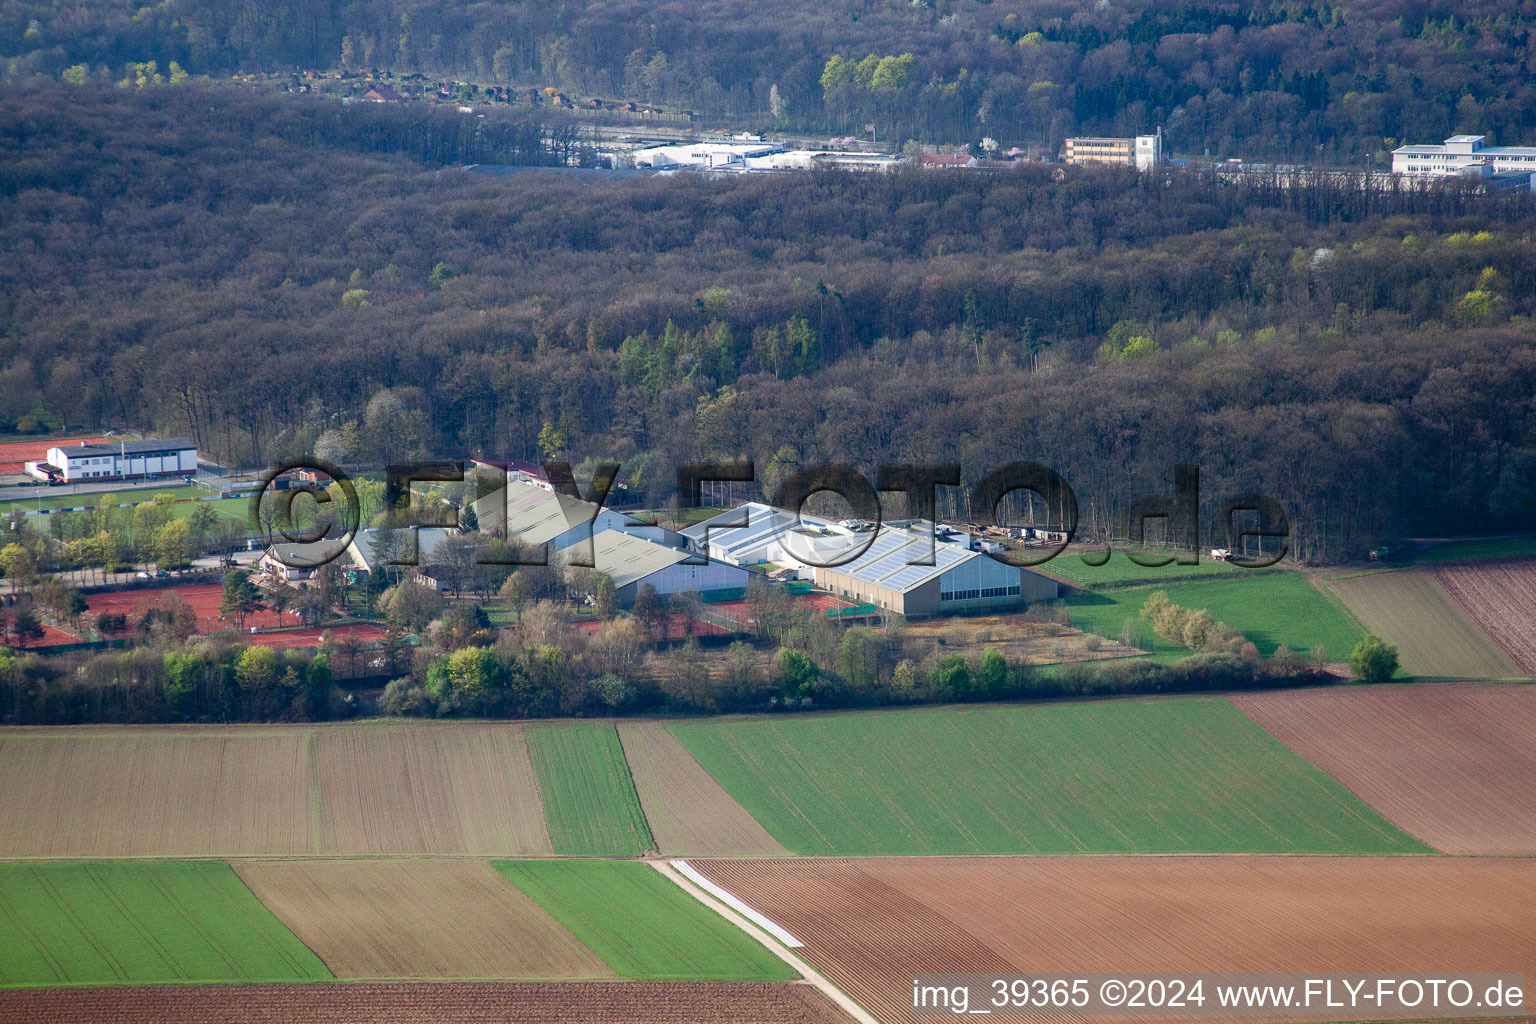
[(1462, 154), (119, 460)]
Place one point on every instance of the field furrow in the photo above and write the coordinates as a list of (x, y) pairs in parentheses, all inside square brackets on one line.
[(438, 919), (688, 812), (1453, 765), (870, 925)]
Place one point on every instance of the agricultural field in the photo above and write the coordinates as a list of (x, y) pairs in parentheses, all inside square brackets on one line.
[(426, 918), (1474, 550), (867, 923), (154, 792), (642, 925), (605, 1002), (374, 788), (131, 923), (1270, 608), (1434, 635), (1453, 765), (589, 798), (1501, 596), (1126, 776), (688, 812), (425, 788)]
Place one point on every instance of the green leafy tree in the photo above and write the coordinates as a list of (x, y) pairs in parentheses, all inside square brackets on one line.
[(1373, 660)]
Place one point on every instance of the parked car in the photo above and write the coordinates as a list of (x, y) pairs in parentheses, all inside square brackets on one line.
[(143, 575), (162, 575)]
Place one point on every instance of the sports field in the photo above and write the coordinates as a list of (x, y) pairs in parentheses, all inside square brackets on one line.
[(426, 918), (867, 923), (123, 923), (589, 798), (1270, 608), (689, 814), (373, 788), (1433, 634), (14, 453), (1155, 776), (1452, 764), (203, 597), (643, 926), (314, 636)]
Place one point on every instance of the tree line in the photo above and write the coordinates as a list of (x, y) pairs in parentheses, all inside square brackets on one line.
[(1303, 80)]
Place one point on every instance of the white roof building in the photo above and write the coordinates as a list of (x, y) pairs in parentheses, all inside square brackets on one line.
[(702, 155), (1462, 154), (959, 579), (121, 459)]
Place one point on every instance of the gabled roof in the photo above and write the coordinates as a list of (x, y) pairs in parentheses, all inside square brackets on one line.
[(628, 559), (536, 516)]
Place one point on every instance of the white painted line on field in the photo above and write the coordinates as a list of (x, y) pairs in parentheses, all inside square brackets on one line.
[(689, 872)]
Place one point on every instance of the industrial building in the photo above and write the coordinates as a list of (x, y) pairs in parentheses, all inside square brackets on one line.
[(1463, 154), (742, 156), (117, 460), (633, 554), (1144, 152), (962, 578), (532, 513), (633, 563)]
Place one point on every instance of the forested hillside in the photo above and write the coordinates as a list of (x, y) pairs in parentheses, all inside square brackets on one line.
[(1300, 79), (257, 272)]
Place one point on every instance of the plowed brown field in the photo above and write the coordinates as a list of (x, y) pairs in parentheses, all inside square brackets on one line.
[(394, 788), (688, 811), (447, 919), (870, 924), (1453, 765), (380, 788), (152, 793), (1501, 596), (612, 1002)]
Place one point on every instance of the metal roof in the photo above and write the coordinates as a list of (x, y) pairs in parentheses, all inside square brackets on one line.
[(628, 559), (167, 444), (885, 562), (536, 516)]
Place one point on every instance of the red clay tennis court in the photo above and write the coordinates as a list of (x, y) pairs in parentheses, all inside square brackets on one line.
[(314, 636), (203, 597), (14, 453), (53, 638)]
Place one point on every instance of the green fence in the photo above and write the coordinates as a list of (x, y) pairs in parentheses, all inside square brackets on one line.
[(853, 612), (728, 594)]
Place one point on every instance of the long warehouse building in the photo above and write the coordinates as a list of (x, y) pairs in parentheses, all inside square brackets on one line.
[(960, 580)]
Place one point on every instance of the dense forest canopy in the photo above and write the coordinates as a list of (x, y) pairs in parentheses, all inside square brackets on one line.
[(1307, 80), (269, 275)]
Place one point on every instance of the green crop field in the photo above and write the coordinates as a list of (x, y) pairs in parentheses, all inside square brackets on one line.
[(1188, 775), (1121, 570), (1472, 550), (641, 924), (1270, 608), (589, 797), (135, 923)]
